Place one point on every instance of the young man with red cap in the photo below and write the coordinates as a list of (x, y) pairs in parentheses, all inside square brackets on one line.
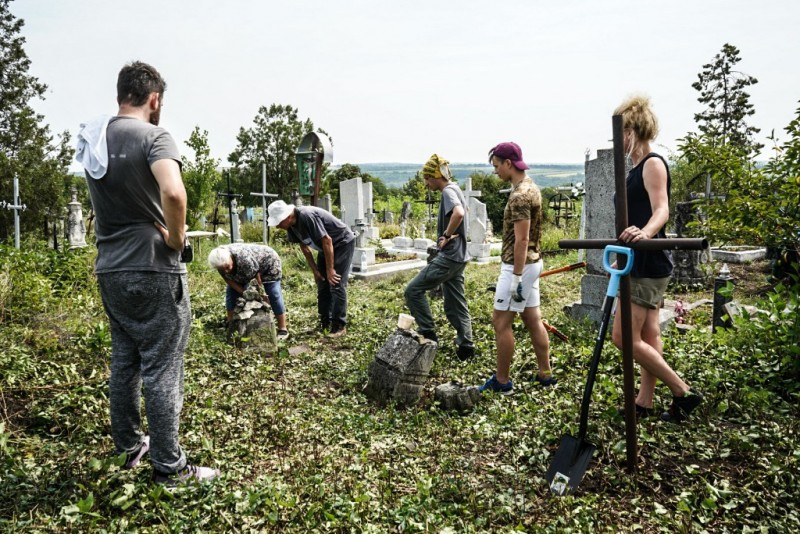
[(517, 290)]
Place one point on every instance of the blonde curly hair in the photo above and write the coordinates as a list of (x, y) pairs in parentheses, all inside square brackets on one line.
[(637, 116)]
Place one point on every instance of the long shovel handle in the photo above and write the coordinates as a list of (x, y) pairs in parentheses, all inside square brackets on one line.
[(570, 267), (608, 304), (555, 331)]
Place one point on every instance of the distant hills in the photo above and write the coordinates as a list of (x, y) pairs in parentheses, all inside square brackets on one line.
[(545, 175)]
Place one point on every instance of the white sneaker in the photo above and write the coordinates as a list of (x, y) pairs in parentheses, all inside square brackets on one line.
[(282, 335), (187, 475)]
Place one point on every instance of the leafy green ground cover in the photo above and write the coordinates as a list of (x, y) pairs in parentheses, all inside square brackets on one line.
[(302, 449)]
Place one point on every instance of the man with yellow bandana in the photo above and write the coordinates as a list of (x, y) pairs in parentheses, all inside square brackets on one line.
[(447, 268)]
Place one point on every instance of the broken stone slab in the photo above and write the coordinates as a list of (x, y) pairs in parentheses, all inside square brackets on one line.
[(400, 368), (252, 325), (454, 396)]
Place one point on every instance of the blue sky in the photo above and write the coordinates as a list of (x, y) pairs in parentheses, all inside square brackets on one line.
[(397, 81)]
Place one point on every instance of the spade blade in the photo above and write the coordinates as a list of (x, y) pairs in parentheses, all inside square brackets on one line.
[(569, 464)]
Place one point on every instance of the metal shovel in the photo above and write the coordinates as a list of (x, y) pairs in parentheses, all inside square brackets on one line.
[(574, 453)]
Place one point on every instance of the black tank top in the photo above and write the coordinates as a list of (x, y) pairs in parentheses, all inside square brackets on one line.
[(654, 263)]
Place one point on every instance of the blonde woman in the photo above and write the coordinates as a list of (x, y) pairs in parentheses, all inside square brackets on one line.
[(648, 189)]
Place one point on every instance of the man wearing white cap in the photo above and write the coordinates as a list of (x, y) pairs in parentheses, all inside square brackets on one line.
[(315, 228)]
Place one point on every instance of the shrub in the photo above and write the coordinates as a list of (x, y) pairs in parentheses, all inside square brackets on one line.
[(388, 231)]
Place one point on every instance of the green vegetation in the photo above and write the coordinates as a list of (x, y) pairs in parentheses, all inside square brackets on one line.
[(303, 450)]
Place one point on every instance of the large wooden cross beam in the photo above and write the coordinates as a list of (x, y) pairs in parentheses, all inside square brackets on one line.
[(621, 207)]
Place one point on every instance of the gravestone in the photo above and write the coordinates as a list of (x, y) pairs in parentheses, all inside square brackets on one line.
[(688, 262), (423, 243), (368, 216), (469, 194), (252, 325), (477, 245), (351, 201), (324, 202), (76, 230), (400, 368), (401, 241), (600, 224), (351, 198), (456, 397), (405, 212)]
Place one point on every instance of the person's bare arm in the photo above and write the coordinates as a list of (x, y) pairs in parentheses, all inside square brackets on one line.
[(654, 176), (521, 237), (173, 201), (330, 273), (310, 261)]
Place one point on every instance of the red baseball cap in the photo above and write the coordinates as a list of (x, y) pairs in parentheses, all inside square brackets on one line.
[(510, 151)]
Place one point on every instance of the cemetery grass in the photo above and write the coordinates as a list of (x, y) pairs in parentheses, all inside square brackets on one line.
[(301, 449)]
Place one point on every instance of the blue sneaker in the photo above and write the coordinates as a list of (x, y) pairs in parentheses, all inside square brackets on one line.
[(493, 386), (546, 382)]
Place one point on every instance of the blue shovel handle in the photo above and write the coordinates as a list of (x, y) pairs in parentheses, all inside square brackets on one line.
[(616, 274)]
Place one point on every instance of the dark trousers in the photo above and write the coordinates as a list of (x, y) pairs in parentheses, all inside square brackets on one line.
[(332, 299)]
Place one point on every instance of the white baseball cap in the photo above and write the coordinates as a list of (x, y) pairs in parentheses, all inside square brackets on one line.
[(278, 211)]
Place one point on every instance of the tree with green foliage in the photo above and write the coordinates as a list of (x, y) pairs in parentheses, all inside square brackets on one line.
[(414, 188), (27, 148), (763, 205), (348, 171), (201, 176), (273, 139), (724, 147), (722, 91)]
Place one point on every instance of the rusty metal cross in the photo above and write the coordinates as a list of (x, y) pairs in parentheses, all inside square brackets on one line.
[(621, 222)]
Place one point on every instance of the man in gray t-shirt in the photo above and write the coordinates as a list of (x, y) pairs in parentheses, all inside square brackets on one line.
[(447, 268), (140, 207), (317, 229)]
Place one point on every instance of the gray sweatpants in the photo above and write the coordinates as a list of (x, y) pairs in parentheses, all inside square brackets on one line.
[(150, 318), (450, 275)]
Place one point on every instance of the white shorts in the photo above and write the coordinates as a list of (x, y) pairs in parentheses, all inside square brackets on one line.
[(530, 279)]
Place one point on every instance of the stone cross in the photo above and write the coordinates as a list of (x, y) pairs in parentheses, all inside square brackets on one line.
[(264, 196), (469, 193), (17, 206)]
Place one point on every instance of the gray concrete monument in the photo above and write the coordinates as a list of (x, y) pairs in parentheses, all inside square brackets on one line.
[(400, 368), (76, 229), (477, 245), (600, 224), (252, 325)]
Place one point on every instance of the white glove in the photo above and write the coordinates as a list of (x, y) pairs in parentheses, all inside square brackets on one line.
[(516, 288)]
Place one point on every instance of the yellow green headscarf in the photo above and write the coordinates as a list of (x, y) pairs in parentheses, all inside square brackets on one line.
[(437, 167)]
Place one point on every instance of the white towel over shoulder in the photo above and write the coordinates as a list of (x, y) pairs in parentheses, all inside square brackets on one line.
[(92, 150)]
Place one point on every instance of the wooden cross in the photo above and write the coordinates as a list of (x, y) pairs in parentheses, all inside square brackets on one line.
[(621, 207)]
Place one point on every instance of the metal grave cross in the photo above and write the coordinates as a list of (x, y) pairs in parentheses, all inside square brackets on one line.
[(16, 205), (429, 200), (232, 214), (621, 222), (264, 196)]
